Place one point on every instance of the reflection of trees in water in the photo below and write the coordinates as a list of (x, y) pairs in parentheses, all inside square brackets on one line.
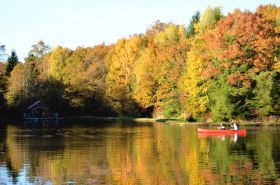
[(142, 154), (11, 171), (4, 155), (149, 156), (242, 162), (170, 155), (57, 155)]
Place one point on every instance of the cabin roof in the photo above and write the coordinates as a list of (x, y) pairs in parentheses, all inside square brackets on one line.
[(38, 103)]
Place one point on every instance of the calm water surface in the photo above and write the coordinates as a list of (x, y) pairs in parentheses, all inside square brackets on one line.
[(130, 153)]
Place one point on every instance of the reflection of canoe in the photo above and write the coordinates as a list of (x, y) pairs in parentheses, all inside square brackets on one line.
[(208, 132)]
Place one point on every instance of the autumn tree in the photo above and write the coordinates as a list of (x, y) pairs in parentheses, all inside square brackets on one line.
[(76, 86), (155, 28), (208, 20), (241, 47), (23, 82), (39, 49), (193, 84), (120, 64), (83, 75), (31, 73), (16, 85), (2, 84), (57, 62), (97, 72), (158, 71)]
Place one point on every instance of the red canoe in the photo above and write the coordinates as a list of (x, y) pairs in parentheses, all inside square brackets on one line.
[(209, 132)]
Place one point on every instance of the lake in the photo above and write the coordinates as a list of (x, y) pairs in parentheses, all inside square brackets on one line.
[(135, 153)]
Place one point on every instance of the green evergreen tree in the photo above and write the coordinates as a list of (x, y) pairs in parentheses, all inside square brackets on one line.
[(11, 62), (191, 29)]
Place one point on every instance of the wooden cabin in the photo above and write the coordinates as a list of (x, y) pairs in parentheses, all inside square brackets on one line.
[(38, 110)]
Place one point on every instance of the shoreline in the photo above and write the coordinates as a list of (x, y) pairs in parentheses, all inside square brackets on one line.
[(170, 121), (153, 120)]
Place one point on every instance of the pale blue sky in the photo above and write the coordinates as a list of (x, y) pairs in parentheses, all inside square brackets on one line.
[(73, 23)]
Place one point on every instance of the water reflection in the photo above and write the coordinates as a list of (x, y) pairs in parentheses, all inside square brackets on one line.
[(233, 137), (129, 153)]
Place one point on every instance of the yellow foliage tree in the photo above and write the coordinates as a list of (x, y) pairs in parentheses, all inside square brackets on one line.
[(57, 60), (16, 85), (158, 70), (193, 85), (120, 65)]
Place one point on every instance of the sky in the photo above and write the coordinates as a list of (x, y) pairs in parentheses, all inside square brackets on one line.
[(73, 23)]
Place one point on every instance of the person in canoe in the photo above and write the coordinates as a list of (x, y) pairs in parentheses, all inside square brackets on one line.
[(222, 127), (234, 126)]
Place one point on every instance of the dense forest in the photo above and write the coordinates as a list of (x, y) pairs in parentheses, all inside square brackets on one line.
[(217, 68)]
